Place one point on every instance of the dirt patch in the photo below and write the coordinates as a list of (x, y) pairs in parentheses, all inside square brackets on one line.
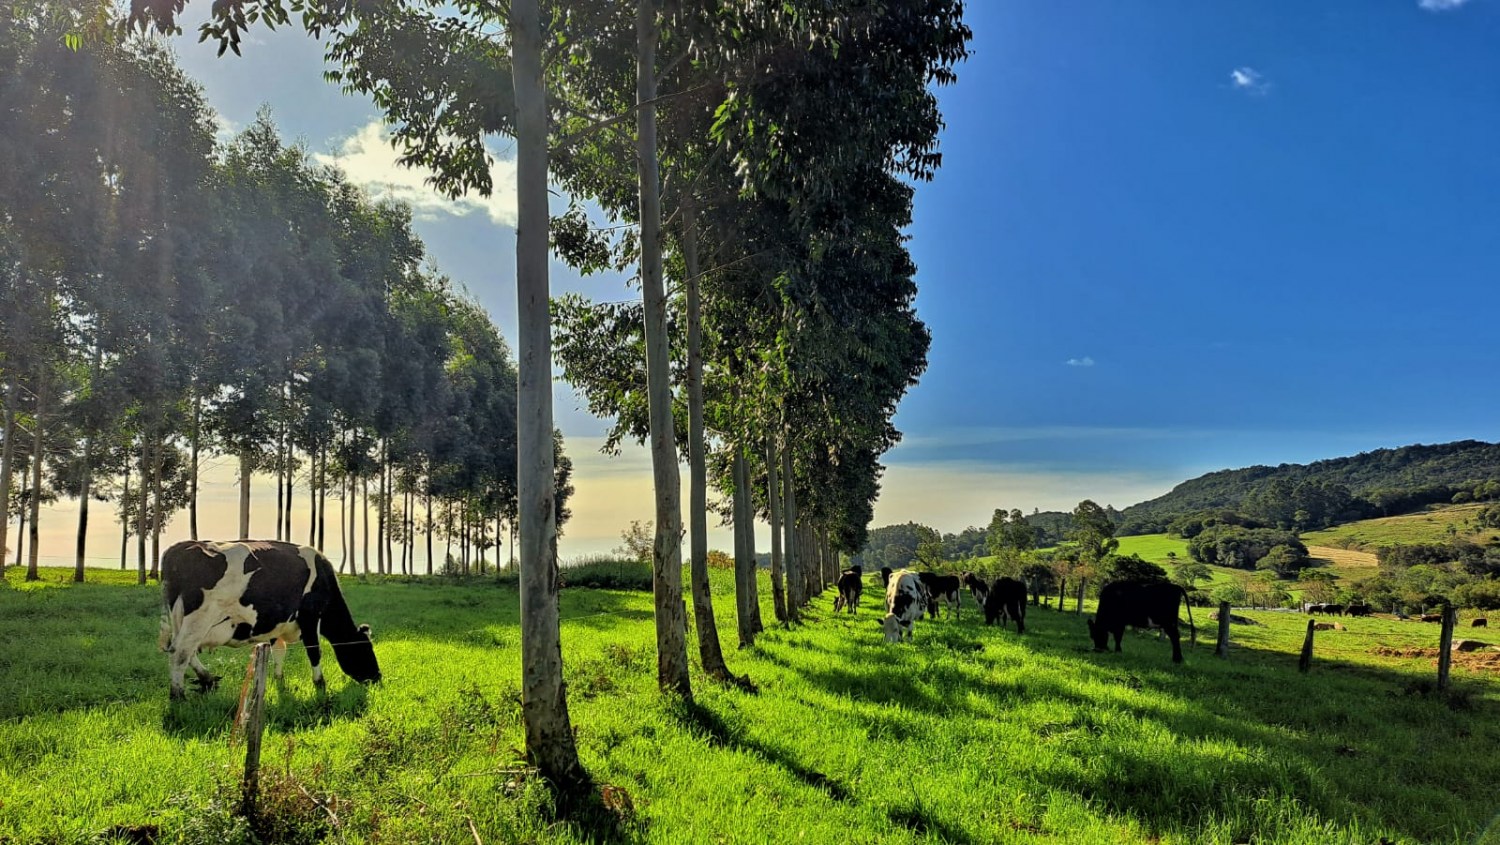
[(1488, 661)]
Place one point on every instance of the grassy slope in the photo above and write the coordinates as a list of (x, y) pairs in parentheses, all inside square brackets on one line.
[(971, 734), (1423, 527)]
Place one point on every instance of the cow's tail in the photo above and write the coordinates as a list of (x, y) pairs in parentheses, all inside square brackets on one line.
[(1192, 629)]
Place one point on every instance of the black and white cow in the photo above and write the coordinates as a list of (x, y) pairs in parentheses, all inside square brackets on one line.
[(905, 602), (254, 591), (942, 590), (1007, 598), (977, 588), (1139, 604), (851, 585)]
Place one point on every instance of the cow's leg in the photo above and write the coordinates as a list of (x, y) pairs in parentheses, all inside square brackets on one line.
[(314, 652), (278, 655), (178, 663), (1117, 635), (206, 679), (1176, 637)]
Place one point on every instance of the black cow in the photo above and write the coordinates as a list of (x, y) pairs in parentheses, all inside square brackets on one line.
[(851, 584), (1006, 598), (1333, 609), (1316, 608), (1358, 610), (217, 594), (1140, 604), (977, 588), (942, 589), (1481, 622)]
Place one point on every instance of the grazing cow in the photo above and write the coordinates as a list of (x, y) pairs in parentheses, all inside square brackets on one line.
[(1333, 609), (942, 590), (1481, 622), (1140, 604), (885, 577), (905, 602), (1007, 598), (1315, 608), (217, 594), (1327, 626), (1358, 610), (1431, 617), (851, 585), (977, 588)]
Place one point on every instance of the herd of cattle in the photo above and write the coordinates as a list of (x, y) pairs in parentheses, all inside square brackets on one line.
[(909, 595), (249, 591)]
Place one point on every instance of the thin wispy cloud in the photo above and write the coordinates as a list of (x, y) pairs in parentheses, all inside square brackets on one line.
[(1441, 5), (369, 161), (1085, 361), (1249, 80)]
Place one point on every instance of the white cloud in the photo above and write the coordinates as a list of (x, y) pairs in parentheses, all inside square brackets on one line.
[(1249, 79), (224, 128), (369, 161), (1441, 5), (1085, 361)]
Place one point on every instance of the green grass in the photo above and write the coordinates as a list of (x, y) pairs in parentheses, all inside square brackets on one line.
[(969, 734), (1422, 527)]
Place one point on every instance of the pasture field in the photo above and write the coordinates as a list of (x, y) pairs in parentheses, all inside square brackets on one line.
[(1421, 527), (968, 735)]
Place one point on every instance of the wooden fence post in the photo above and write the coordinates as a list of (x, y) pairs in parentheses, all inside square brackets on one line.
[(1305, 662), (1223, 649), (1082, 585), (252, 720), (1445, 645)]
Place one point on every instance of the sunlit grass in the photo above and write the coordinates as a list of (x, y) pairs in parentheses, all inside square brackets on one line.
[(1423, 527), (970, 734)]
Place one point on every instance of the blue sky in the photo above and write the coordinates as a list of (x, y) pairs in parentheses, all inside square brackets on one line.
[(1169, 236)]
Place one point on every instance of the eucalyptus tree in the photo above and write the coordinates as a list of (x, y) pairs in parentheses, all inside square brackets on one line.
[(413, 64)]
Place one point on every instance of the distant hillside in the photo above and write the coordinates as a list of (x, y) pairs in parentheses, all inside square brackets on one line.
[(1381, 482)]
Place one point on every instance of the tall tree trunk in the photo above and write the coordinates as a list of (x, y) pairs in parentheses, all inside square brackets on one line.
[(143, 504), (380, 517), (344, 535), (21, 523), (671, 616), (125, 523), (33, 555), (322, 496), (429, 521), (744, 561), (364, 485), (709, 650), (390, 511), (7, 457), (784, 611), (796, 580), (85, 492), (280, 483), (246, 469), (312, 499), (157, 461), (196, 434), (447, 533), (544, 704), (291, 482)]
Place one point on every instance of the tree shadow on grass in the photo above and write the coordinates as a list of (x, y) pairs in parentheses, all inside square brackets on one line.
[(702, 721), (1230, 743)]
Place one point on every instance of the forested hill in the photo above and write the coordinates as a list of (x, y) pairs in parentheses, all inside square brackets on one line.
[(1377, 483)]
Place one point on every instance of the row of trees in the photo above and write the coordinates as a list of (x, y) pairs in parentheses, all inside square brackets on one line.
[(767, 174), (170, 301)]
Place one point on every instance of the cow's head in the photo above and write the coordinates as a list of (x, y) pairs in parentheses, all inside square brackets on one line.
[(357, 657), (1099, 635), (892, 628)]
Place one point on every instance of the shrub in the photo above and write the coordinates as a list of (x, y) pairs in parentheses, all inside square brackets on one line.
[(607, 573)]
